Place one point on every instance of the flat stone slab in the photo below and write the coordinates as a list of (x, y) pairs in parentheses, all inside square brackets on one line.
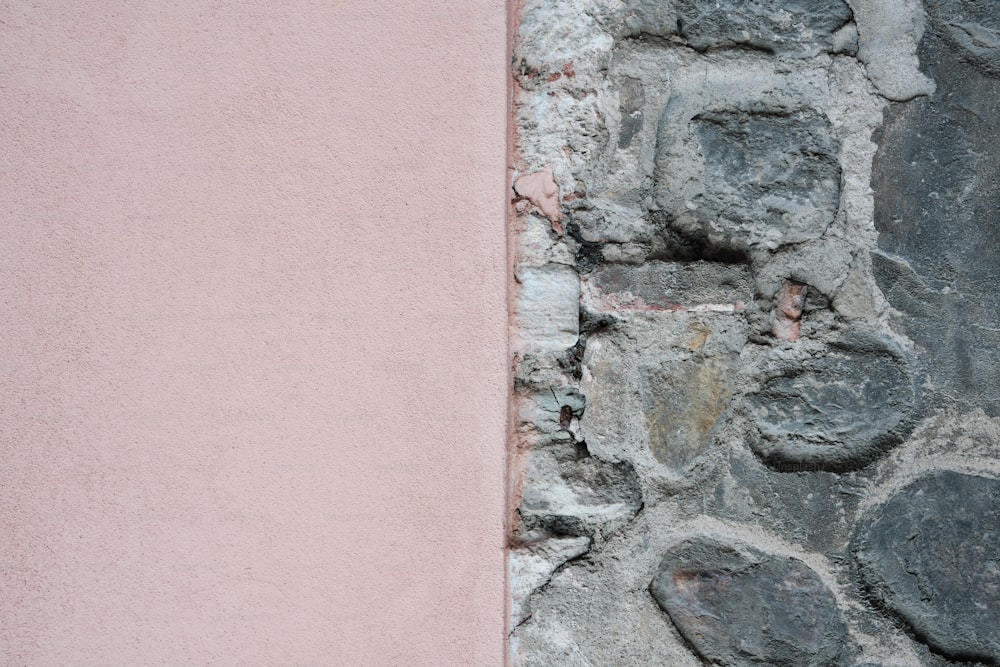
[(931, 554), (739, 606), (547, 307)]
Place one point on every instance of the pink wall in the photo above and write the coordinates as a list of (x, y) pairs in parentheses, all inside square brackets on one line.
[(253, 332)]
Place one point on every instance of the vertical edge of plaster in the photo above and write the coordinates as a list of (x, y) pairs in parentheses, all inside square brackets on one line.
[(513, 474)]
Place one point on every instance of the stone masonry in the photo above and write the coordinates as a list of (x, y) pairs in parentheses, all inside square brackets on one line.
[(757, 333)]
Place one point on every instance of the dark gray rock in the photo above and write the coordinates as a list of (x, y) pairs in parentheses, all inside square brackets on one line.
[(780, 26), (798, 28), (937, 209), (639, 18), (971, 27), (835, 411), (931, 554), (739, 606), (769, 179)]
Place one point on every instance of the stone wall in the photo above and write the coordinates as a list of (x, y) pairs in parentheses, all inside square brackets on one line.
[(757, 333)]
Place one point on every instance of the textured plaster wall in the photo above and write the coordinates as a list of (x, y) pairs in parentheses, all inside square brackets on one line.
[(253, 332)]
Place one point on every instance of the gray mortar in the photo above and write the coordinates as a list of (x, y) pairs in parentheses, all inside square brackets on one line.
[(705, 159)]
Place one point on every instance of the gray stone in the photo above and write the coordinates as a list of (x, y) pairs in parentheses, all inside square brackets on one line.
[(769, 179), (684, 402), (531, 566), (587, 497), (970, 26), (669, 285), (632, 100), (799, 501), (888, 33), (796, 27), (548, 409), (653, 18), (833, 411), (937, 210), (547, 307), (739, 606), (931, 554)]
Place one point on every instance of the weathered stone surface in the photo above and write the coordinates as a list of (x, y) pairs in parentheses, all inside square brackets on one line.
[(739, 364), (546, 410), (532, 564), (833, 411), (937, 210), (972, 27), (684, 401), (797, 27), (548, 308), (800, 502), (888, 33), (932, 555), (632, 100), (769, 179), (588, 497), (659, 285), (660, 408), (740, 606), (780, 169)]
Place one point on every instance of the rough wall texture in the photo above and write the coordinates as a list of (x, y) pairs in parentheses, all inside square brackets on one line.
[(757, 333)]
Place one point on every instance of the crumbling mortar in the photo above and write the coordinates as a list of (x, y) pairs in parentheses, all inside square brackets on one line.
[(821, 319)]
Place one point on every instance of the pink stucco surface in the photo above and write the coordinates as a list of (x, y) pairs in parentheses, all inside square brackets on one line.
[(252, 276)]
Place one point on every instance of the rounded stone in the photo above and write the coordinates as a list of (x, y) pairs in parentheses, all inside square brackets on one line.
[(836, 411), (765, 178), (737, 605), (931, 554)]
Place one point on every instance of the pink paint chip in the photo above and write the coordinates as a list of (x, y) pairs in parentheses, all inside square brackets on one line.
[(541, 189), (788, 311)]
